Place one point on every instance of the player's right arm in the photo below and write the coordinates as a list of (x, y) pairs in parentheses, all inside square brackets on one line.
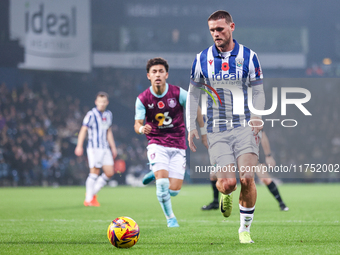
[(81, 138), (139, 119), (192, 103), (203, 127), (140, 128)]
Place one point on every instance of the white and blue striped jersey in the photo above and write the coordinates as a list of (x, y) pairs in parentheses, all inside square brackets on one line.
[(229, 74), (98, 123)]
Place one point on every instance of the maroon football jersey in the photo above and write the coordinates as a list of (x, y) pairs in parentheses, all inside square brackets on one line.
[(165, 116)]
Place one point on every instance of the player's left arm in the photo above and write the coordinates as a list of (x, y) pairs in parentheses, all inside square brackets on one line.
[(256, 82), (111, 142)]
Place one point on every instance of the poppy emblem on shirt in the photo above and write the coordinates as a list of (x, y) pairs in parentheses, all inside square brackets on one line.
[(211, 61), (172, 102), (225, 66), (160, 105), (104, 119)]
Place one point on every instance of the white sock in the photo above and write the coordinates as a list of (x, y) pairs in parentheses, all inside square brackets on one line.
[(246, 218), (90, 181), (100, 182)]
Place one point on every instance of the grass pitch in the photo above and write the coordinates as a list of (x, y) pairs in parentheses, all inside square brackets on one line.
[(54, 221)]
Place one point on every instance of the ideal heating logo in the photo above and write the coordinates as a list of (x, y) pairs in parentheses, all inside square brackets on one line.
[(50, 32), (42, 21), (226, 77)]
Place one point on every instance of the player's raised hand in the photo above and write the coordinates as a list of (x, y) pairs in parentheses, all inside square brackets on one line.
[(147, 129), (257, 124), (193, 133), (79, 151)]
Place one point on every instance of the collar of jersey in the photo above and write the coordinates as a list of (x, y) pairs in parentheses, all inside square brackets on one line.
[(234, 52), (98, 111), (159, 96)]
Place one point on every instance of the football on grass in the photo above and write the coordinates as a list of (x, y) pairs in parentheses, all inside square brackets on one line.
[(123, 232)]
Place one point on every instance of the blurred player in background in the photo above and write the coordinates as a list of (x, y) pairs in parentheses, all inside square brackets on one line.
[(162, 107), (264, 176), (101, 147), (228, 63)]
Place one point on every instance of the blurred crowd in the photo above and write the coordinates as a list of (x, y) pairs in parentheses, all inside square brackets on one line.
[(38, 134), (36, 127)]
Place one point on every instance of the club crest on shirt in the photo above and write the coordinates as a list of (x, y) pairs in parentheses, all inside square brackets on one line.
[(239, 62), (172, 102), (160, 105)]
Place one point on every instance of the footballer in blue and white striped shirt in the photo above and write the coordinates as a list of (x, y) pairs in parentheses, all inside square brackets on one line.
[(225, 71), (101, 148)]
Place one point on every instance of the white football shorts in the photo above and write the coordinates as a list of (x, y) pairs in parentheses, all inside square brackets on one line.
[(167, 158), (99, 157), (225, 147)]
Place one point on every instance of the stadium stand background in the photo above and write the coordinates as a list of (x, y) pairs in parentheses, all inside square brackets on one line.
[(41, 111)]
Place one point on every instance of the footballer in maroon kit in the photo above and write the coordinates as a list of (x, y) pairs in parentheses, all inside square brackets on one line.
[(162, 107)]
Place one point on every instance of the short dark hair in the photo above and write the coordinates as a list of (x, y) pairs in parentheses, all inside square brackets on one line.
[(157, 61), (102, 94), (220, 14)]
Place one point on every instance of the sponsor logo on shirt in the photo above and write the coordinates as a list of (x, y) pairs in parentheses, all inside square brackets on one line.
[(164, 120)]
